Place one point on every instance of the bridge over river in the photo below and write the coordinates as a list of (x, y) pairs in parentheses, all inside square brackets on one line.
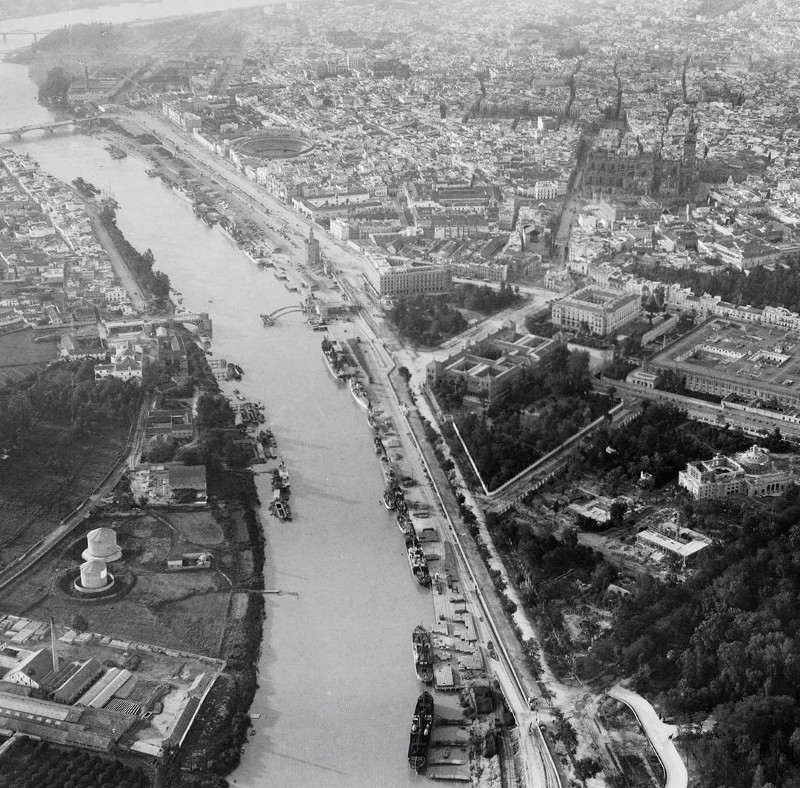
[(35, 33), (17, 131)]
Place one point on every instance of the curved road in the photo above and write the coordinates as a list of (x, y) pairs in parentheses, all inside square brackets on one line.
[(659, 733)]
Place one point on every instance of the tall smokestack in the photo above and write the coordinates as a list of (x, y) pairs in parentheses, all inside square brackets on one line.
[(53, 643), (85, 78)]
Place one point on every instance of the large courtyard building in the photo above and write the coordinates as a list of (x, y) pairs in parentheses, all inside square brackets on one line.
[(491, 366), (752, 362), (601, 311), (752, 473)]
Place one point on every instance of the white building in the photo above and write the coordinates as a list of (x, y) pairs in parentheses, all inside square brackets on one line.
[(601, 311), (752, 473)]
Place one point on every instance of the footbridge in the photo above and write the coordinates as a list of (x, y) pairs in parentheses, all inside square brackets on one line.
[(268, 319), (17, 131)]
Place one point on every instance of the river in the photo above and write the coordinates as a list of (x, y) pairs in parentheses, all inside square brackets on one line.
[(337, 685)]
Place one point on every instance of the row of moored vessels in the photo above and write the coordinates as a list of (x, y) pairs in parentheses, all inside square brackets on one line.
[(394, 499)]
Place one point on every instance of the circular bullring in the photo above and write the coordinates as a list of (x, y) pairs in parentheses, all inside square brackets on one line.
[(273, 146)]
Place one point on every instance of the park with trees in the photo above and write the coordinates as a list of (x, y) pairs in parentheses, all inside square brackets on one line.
[(547, 404), (28, 762)]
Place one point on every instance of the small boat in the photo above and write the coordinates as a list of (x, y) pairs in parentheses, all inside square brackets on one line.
[(281, 510), (283, 473), (388, 499)]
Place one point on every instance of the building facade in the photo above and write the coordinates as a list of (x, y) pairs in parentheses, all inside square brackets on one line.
[(751, 473), (602, 311)]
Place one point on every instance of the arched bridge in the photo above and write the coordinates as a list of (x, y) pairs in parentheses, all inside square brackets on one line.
[(34, 33), (18, 131), (269, 319)]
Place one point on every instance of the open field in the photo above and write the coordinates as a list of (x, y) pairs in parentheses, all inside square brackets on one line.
[(20, 356), (46, 476), (176, 609)]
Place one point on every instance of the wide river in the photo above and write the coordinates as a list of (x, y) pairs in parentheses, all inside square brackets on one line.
[(337, 685)]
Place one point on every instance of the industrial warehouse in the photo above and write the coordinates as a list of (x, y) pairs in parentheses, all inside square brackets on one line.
[(94, 691)]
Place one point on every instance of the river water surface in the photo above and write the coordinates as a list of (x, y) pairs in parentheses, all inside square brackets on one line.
[(337, 685)]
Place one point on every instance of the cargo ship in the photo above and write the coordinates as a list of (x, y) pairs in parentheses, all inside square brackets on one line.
[(333, 360), (422, 651), (360, 394), (417, 561), (421, 729)]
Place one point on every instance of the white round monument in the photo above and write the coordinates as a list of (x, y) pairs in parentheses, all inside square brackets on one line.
[(102, 546)]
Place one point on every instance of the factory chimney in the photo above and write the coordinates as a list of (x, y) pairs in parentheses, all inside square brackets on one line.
[(53, 643)]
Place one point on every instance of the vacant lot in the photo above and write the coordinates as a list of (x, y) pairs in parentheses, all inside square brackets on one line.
[(20, 356), (177, 609)]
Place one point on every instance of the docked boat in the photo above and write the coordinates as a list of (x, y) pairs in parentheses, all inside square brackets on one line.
[(85, 188), (422, 650), (281, 509), (283, 474), (417, 561), (404, 524), (388, 499), (234, 372), (421, 729), (151, 173), (116, 152), (333, 359), (359, 394), (378, 445)]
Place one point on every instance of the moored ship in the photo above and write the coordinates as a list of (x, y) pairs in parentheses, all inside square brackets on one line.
[(422, 650), (283, 474), (417, 561), (421, 729), (404, 524), (359, 394), (333, 359)]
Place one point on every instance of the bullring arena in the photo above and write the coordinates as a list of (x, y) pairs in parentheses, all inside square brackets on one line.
[(278, 143)]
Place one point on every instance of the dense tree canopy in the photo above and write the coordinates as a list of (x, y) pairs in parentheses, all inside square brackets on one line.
[(485, 299), (427, 320), (657, 443), (55, 87), (546, 405), (67, 395), (139, 263), (757, 287), (725, 643)]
